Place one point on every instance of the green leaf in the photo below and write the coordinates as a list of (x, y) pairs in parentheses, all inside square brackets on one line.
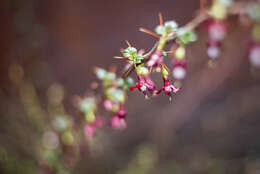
[(160, 30), (186, 36), (171, 26), (130, 52), (139, 58), (129, 81)]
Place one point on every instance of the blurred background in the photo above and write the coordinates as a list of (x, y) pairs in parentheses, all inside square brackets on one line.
[(48, 51)]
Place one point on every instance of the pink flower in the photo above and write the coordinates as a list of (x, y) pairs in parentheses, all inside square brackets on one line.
[(217, 29), (144, 84), (168, 88), (108, 104), (117, 122), (121, 112), (156, 59), (89, 130)]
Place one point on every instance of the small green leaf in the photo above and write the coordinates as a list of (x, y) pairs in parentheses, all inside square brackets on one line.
[(100, 73), (186, 36), (129, 81), (130, 52), (160, 30), (139, 58), (171, 26)]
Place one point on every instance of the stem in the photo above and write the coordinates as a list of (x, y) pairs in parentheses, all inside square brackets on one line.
[(236, 8)]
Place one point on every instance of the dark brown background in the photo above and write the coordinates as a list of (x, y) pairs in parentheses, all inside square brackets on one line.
[(216, 113)]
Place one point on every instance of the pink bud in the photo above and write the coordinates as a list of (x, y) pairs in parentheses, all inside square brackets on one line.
[(108, 104), (89, 130), (118, 123)]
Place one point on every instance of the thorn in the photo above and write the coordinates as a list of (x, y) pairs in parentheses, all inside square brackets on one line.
[(160, 18), (129, 45), (118, 57), (149, 32)]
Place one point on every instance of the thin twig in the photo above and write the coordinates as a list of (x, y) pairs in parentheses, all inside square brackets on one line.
[(236, 8)]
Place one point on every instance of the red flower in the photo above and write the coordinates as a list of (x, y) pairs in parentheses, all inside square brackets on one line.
[(168, 88), (144, 84)]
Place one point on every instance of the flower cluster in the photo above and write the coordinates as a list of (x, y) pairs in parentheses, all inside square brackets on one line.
[(216, 27), (254, 47), (214, 18)]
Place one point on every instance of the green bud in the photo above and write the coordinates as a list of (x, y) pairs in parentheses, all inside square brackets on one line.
[(90, 117), (67, 138), (218, 10), (165, 73), (180, 53), (100, 73), (87, 105), (141, 70)]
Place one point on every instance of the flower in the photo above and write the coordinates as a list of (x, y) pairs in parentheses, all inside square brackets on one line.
[(144, 84), (156, 59), (168, 88), (90, 129), (117, 122)]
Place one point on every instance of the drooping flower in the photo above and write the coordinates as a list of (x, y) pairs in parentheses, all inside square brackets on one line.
[(117, 122), (179, 69), (168, 88), (254, 54), (144, 84), (90, 129)]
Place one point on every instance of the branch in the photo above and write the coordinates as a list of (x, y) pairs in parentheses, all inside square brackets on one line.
[(236, 8)]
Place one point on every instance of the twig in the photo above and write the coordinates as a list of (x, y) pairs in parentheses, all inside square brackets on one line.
[(236, 8)]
